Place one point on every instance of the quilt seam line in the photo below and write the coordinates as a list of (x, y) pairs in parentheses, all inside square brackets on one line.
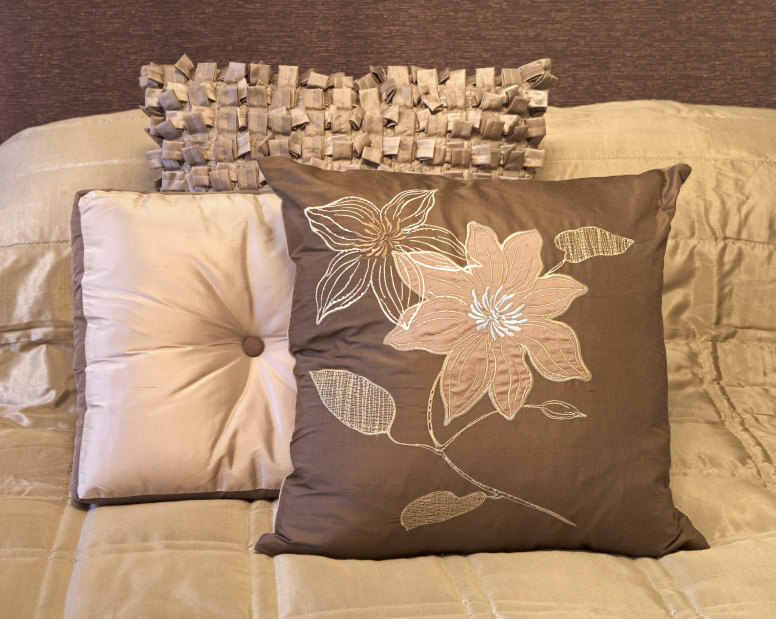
[(48, 566), (485, 596), (465, 606), (72, 166), (729, 415), (644, 571), (27, 243), (253, 554), (248, 521), (84, 120), (687, 598)]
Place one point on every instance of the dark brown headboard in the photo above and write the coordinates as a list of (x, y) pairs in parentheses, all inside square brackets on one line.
[(63, 58)]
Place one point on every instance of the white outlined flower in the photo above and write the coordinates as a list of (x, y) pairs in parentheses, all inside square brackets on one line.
[(365, 238)]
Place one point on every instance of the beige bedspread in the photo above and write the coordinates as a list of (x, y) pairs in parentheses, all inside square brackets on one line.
[(196, 559)]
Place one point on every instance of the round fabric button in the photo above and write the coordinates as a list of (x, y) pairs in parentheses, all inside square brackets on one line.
[(253, 346)]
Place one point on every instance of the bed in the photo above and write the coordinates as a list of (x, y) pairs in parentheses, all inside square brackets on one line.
[(196, 557)]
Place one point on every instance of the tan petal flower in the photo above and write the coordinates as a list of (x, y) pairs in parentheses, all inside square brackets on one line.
[(437, 327), (489, 318), (523, 251), (552, 295), (467, 374), (434, 275), (513, 381), (553, 348)]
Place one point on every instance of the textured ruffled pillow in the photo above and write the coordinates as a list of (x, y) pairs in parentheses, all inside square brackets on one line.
[(213, 124), (183, 375), (480, 365)]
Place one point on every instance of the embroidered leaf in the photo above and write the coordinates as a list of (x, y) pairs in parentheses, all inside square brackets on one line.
[(554, 409), (590, 241), (356, 401), (439, 506)]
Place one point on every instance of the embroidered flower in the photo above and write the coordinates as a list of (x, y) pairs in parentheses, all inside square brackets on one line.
[(489, 319), (366, 238)]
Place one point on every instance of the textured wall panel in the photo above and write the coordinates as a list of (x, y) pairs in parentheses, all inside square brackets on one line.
[(63, 58)]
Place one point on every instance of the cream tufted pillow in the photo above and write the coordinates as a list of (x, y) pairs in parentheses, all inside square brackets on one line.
[(185, 382)]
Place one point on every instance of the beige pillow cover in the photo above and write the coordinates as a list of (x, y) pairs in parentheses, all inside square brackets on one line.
[(184, 379)]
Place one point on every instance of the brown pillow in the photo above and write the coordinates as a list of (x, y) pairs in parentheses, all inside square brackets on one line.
[(480, 366), (213, 124)]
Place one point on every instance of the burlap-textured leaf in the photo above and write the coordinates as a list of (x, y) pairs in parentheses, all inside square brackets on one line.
[(356, 401), (590, 241), (439, 506)]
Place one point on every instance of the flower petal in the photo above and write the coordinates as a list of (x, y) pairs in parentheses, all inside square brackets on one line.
[(431, 274), (553, 348), (393, 296), (523, 253), (483, 247), (346, 280), (467, 374), (551, 296), (344, 223), (437, 326), (434, 238), (513, 379), (409, 208)]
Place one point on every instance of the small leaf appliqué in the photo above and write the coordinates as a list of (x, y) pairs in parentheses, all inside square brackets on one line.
[(562, 411), (356, 401), (439, 506), (590, 241)]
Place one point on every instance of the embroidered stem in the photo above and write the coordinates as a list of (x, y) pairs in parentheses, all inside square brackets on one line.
[(461, 431), (501, 494), (429, 420), (421, 445), (556, 267), (495, 493), (439, 449)]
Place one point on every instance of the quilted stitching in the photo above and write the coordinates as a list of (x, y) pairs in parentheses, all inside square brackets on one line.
[(60, 560)]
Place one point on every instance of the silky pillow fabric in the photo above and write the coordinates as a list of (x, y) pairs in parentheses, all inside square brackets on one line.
[(184, 380), (480, 365)]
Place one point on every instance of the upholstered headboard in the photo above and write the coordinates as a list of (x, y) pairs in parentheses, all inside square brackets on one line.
[(64, 58)]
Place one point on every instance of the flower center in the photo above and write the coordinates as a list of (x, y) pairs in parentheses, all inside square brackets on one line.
[(382, 238), (494, 313)]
